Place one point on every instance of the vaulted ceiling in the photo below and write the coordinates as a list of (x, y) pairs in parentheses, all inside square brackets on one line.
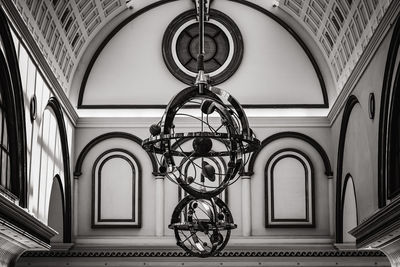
[(333, 33)]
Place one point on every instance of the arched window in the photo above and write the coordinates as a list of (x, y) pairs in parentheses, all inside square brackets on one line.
[(116, 183), (389, 124), (289, 190), (4, 150), (394, 141), (12, 132)]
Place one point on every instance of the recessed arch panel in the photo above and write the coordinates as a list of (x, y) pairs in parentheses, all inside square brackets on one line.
[(116, 182), (289, 190)]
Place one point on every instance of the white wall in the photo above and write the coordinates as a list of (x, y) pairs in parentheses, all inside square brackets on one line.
[(274, 69), (86, 134), (44, 154), (361, 145)]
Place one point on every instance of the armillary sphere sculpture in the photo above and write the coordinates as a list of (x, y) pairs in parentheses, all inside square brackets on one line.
[(202, 222)]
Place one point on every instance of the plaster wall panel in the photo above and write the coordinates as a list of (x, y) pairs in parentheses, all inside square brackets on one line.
[(122, 73)]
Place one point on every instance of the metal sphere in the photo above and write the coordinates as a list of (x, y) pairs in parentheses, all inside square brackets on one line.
[(155, 129), (234, 135), (201, 231), (202, 145)]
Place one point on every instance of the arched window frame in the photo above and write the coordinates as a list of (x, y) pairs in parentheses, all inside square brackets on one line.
[(55, 107), (388, 184), (12, 96), (270, 220)]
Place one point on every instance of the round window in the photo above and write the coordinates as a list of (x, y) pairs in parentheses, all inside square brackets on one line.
[(223, 47)]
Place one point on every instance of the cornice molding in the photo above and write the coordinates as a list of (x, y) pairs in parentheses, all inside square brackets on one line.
[(364, 60), (20, 231), (54, 86), (380, 229), (16, 218), (108, 253), (256, 122)]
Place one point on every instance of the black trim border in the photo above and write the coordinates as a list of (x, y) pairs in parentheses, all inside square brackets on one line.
[(384, 116), (296, 135), (106, 136), (346, 180), (55, 106), (371, 106)]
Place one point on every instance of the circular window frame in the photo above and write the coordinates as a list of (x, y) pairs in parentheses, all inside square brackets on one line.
[(217, 18)]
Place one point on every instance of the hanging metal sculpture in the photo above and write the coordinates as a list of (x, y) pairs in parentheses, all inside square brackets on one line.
[(202, 222)]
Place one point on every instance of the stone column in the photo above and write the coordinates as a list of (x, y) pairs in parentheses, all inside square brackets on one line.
[(246, 204), (331, 206), (159, 204)]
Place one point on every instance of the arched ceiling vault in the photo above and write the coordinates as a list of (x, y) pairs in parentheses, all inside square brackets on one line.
[(69, 32)]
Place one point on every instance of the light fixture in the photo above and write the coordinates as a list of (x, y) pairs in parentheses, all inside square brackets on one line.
[(205, 161)]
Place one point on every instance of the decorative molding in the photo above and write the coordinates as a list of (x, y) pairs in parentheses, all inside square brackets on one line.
[(247, 106), (382, 29), (270, 220), (17, 219), (55, 106), (33, 108), (14, 241), (106, 136), (255, 122), (341, 29), (371, 106), (295, 135), (226, 253), (381, 229), (351, 102)]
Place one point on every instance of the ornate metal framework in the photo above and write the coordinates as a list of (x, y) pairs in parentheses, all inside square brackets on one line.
[(201, 221)]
